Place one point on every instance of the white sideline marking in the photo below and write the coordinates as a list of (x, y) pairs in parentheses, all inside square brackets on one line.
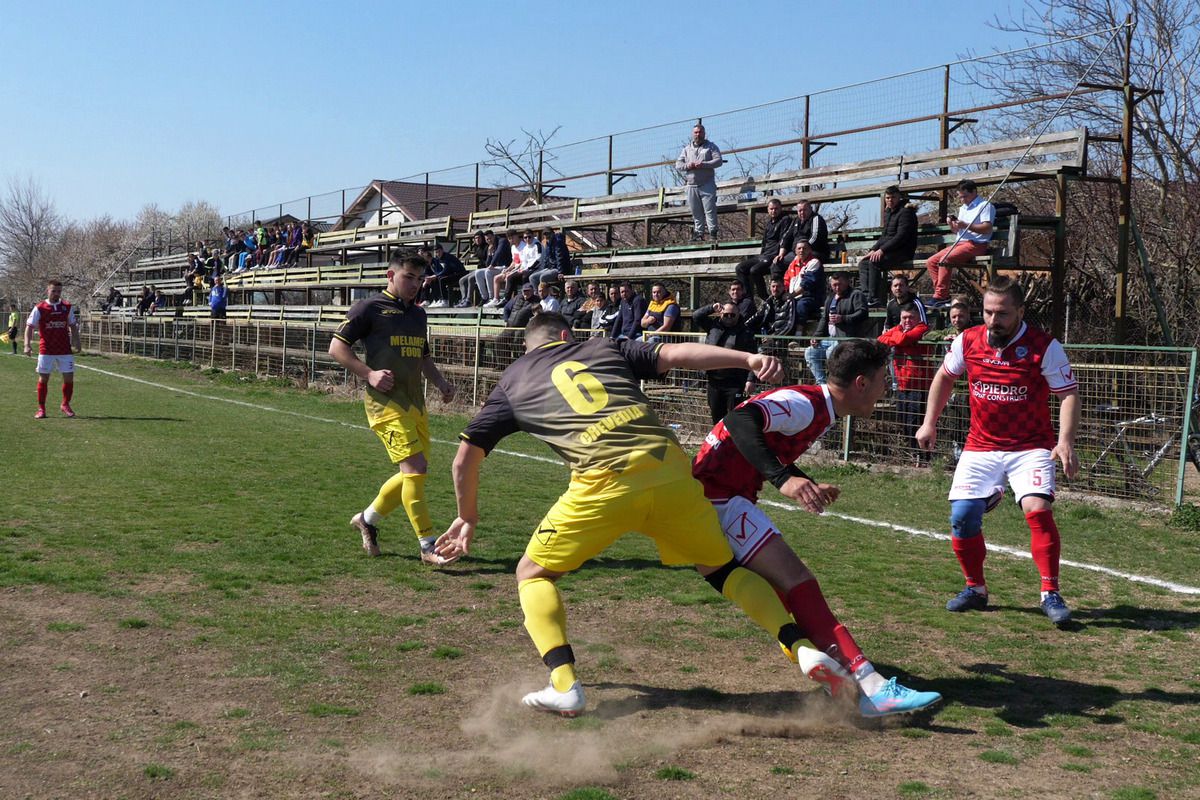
[(998, 548)]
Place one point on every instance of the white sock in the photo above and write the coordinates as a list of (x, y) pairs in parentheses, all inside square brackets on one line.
[(868, 680), (981, 589), (371, 516), (427, 543)]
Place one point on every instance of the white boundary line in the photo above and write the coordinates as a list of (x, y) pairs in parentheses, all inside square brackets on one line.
[(998, 548)]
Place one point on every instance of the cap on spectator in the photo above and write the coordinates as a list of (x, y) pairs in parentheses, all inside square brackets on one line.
[(528, 286)]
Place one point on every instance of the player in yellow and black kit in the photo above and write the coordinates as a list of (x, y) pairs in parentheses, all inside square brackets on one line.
[(628, 473), (393, 331)]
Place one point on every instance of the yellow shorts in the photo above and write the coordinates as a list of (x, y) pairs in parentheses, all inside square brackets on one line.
[(597, 509), (404, 436)]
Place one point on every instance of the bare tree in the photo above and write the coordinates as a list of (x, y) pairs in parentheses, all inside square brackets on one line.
[(30, 226), (1164, 56), (198, 219), (528, 162)]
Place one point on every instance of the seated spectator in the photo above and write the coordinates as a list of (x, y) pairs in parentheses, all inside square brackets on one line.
[(902, 296), (548, 301), (844, 314), (724, 327), (914, 368), (291, 252), (525, 256), (776, 245), (158, 300), (662, 313), (521, 308), (145, 299), (805, 279), (556, 257), (572, 304), (499, 258), (477, 258), (446, 270), (628, 322), (896, 246), (114, 300), (262, 243), (776, 321), (605, 311)]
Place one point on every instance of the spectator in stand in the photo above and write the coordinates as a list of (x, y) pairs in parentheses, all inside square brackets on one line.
[(556, 258), (810, 227), (776, 245), (726, 387), (519, 310), (776, 320), (896, 246), (526, 253), (145, 298), (913, 363), (606, 313), (902, 296), (233, 245), (549, 301), (805, 281), (262, 243), (662, 314), (628, 322), (844, 314), (308, 237), (158, 300), (249, 245), (218, 298), (499, 257), (291, 254), (698, 161), (114, 300), (467, 285), (571, 305), (746, 306), (960, 320), (447, 270), (972, 229)]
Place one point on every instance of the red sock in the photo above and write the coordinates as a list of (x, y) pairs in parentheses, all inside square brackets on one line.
[(68, 390), (1045, 545), (42, 390), (971, 552), (820, 627)]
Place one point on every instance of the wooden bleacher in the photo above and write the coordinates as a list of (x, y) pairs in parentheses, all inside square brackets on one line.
[(371, 237)]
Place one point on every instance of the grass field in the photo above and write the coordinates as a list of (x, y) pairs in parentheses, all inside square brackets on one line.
[(186, 613)]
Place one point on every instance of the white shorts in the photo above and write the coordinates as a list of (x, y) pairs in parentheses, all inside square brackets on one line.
[(47, 364), (979, 473), (747, 528)]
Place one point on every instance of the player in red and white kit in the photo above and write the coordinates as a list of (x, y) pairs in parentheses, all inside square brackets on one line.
[(58, 340), (1012, 369), (759, 441)]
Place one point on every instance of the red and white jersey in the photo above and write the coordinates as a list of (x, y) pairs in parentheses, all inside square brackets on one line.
[(796, 416), (1010, 387), (53, 322)]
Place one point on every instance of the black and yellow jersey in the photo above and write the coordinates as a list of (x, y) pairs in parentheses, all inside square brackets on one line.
[(582, 399), (395, 336)]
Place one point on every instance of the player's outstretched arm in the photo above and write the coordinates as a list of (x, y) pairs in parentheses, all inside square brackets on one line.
[(1068, 424), (705, 357), (456, 541), (939, 394)]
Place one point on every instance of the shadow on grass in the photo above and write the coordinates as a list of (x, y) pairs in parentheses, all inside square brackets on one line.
[(1030, 701), (1124, 616), (126, 419)]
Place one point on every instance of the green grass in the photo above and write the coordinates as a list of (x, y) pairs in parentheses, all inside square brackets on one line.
[(674, 774), (158, 772), (250, 562)]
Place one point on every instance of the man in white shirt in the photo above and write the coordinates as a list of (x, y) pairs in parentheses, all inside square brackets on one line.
[(972, 228)]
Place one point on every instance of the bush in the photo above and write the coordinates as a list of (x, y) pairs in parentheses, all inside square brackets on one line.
[(1185, 517)]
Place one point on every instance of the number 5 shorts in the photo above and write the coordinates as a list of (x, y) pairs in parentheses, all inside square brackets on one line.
[(979, 473), (659, 499), (47, 364)]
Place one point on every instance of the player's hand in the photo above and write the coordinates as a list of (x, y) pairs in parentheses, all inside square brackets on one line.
[(448, 390), (769, 369), (926, 437), (1065, 453), (381, 379), (810, 495), (456, 541)]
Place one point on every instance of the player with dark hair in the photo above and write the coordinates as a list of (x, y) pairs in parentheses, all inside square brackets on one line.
[(1012, 369), (759, 441), (628, 473), (392, 328), (58, 341)]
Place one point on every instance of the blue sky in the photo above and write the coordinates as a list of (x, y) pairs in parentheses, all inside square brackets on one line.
[(112, 105)]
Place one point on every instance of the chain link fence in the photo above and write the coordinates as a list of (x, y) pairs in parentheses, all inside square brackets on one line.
[(1138, 403)]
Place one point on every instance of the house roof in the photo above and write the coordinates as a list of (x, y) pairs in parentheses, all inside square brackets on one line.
[(446, 200)]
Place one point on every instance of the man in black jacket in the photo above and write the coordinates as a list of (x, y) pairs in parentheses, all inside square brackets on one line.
[(776, 246), (810, 227), (896, 246), (776, 318), (725, 328), (844, 315)]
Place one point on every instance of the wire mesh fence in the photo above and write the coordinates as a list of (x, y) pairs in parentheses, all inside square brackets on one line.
[(1138, 403)]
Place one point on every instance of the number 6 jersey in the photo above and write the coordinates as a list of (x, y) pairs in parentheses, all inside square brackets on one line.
[(584, 400)]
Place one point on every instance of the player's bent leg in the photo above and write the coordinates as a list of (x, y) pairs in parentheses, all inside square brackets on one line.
[(758, 599), (546, 624)]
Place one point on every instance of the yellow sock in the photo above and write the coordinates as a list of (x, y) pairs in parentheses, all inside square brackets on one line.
[(754, 595), (389, 495), (413, 497), (546, 622)]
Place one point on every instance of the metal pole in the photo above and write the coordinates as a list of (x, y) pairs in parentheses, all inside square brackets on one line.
[(805, 157), (944, 138), (1122, 266), (1058, 267), (233, 349), (475, 372), (283, 356), (1189, 409)]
